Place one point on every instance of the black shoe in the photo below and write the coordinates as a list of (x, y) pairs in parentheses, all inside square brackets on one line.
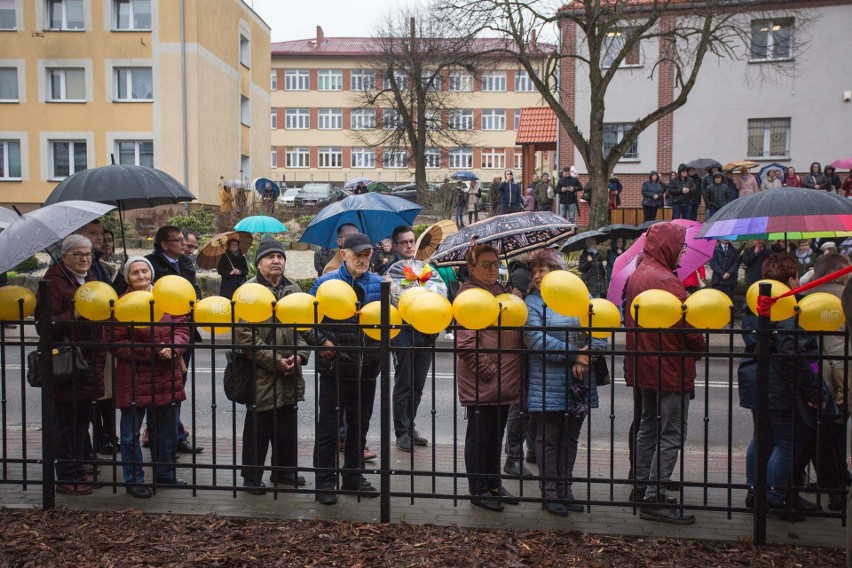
[(184, 447), (254, 487), (176, 482), (573, 506), (404, 443), (288, 479), (108, 449), (557, 509), (505, 496), (749, 500), (486, 501), (655, 510), (326, 498), (516, 468), (836, 501), (804, 505), (530, 457), (364, 488), (783, 512), (419, 440), (139, 491), (637, 495)]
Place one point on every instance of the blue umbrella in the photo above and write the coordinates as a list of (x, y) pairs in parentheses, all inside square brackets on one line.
[(261, 224), (465, 176), (375, 215), (260, 185), (773, 166)]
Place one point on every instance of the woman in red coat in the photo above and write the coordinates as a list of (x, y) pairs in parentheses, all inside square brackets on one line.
[(148, 380)]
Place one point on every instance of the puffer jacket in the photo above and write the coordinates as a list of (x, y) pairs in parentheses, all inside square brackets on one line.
[(349, 363), (715, 196), (676, 187), (651, 188), (551, 381), (812, 180), (274, 342), (490, 376), (676, 372), (141, 378)]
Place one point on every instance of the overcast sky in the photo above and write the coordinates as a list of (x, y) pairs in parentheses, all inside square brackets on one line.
[(298, 19)]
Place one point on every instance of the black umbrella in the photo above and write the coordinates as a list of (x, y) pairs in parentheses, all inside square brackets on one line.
[(621, 231), (578, 241), (511, 235), (126, 187), (647, 224), (703, 164)]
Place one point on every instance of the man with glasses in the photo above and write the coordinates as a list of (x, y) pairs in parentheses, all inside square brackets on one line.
[(509, 196)]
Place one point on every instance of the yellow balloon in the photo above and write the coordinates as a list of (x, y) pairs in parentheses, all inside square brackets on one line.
[(708, 309), (782, 309), (657, 308), (173, 294), (92, 300), (475, 308), (821, 311), (337, 299), (565, 293), (408, 297), (211, 311), (253, 302), (298, 309), (136, 307), (371, 314), (10, 308), (513, 311), (430, 313), (604, 314)]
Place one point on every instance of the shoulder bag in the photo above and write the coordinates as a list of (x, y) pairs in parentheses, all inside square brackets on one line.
[(68, 362), (238, 378)]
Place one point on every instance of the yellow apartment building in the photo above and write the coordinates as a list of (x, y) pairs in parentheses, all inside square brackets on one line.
[(316, 114), (180, 85)]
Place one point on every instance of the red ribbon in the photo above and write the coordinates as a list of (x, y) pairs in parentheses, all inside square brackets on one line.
[(764, 304)]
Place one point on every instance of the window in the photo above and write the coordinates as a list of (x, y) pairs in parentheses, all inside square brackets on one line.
[(273, 158), (401, 80), (132, 14), (297, 80), (362, 119), (134, 84), (494, 82), (517, 118), (64, 15), (274, 119), (493, 119), (330, 119), (10, 159), (519, 159), (461, 81), (391, 119), (67, 84), (331, 157), (523, 83), (362, 80), (67, 157), (245, 111), (612, 46), (273, 80), (461, 119), (7, 15), (245, 51), (461, 158), (433, 158), (431, 80), (771, 40), (135, 152), (612, 135), (330, 80), (395, 158), (297, 119), (769, 138), (8, 84), (433, 119), (363, 158), (493, 159), (298, 158)]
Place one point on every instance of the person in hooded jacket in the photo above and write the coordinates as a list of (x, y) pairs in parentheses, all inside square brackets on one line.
[(592, 269), (815, 179), (233, 268), (694, 196), (771, 181), (663, 383), (715, 195), (832, 180), (652, 196), (616, 248), (681, 189)]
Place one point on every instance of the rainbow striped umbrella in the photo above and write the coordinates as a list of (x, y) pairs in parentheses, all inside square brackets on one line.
[(787, 213)]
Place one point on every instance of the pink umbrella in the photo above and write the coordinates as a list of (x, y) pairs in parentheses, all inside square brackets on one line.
[(698, 252), (844, 164)]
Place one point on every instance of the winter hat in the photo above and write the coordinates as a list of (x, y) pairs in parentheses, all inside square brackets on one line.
[(126, 270), (267, 247)]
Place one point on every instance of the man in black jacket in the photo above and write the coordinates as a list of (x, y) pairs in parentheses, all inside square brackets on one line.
[(567, 189), (724, 264)]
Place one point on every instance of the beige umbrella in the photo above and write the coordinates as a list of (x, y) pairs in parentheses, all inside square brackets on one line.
[(209, 255), (432, 237)]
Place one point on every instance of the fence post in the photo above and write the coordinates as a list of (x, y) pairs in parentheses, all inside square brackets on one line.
[(45, 349), (762, 433), (384, 354)]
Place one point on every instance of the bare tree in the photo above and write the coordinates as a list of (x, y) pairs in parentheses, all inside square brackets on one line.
[(677, 38)]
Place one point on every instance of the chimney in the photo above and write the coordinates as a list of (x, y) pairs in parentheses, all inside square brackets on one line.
[(320, 36), (533, 45)]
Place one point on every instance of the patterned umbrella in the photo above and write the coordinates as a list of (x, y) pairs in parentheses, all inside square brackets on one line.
[(783, 213), (511, 235), (209, 255)]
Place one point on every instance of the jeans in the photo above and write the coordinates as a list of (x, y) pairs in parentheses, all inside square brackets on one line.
[(693, 212), (680, 211), (519, 429), (657, 456), (786, 449), (275, 427), (161, 425), (411, 369), (482, 444), (460, 215), (568, 210), (556, 452), (71, 423)]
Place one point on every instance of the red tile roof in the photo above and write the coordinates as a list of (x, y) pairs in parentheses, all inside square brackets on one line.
[(537, 125), (360, 46)]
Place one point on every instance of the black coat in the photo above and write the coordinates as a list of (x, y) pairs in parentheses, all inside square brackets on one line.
[(723, 262), (230, 282), (676, 187), (567, 189)]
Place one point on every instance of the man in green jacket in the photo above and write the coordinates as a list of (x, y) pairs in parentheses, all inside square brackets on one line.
[(279, 385), (544, 193)]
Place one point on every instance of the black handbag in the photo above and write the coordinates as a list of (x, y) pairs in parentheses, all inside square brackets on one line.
[(239, 378), (68, 363)]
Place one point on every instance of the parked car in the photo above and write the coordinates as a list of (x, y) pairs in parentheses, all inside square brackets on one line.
[(318, 195), (288, 198)]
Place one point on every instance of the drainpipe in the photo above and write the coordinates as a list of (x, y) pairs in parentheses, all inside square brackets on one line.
[(183, 99)]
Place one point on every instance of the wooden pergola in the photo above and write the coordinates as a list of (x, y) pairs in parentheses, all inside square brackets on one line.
[(536, 133)]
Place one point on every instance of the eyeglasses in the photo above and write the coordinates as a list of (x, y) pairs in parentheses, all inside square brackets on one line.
[(408, 242), (489, 264), (82, 255)]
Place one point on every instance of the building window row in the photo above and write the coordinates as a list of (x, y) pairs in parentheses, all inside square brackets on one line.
[(392, 158), (70, 15), (68, 84), (365, 119)]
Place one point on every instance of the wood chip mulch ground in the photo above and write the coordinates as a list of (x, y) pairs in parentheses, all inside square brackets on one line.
[(130, 538)]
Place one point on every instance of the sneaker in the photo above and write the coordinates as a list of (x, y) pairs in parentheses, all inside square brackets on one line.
[(404, 443), (419, 440), (450, 336)]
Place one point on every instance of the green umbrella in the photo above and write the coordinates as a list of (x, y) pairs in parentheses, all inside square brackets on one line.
[(378, 186)]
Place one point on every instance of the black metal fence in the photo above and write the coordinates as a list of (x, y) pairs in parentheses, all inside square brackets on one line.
[(710, 474)]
